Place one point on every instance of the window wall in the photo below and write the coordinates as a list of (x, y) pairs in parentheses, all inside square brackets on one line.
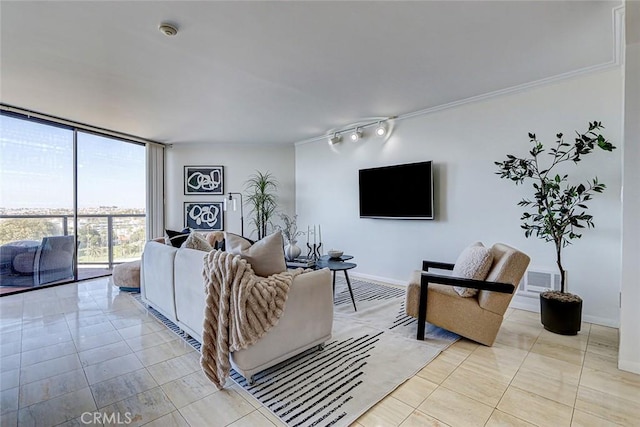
[(56, 180), (111, 201)]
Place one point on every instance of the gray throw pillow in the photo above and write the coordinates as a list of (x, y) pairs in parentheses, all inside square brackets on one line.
[(473, 263), (197, 242), (266, 256)]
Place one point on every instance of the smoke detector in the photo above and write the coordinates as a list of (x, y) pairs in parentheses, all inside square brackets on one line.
[(168, 29)]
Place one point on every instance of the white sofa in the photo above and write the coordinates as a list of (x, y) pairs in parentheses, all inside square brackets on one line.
[(172, 283)]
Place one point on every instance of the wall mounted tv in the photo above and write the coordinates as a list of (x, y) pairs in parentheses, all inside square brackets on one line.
[(399, 191)]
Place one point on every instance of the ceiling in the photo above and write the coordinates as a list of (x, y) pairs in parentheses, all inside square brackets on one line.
[(281, 72)]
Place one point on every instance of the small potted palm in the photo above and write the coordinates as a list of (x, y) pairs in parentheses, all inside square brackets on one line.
[(261, 196), (557, 212)]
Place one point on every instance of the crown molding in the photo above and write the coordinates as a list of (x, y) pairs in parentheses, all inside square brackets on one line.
[(617, 60)]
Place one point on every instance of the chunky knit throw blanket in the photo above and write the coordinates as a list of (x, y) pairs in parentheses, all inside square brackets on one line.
[(240, 308)]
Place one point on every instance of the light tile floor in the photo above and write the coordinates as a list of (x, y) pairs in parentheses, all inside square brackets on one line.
[(86, 348)]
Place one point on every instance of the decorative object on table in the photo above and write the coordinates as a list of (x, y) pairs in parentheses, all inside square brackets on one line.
[(203, 216), (260, 192), (235, 207), (315, 250), (558, 213), (334, 254), (204, 180), (302, 261), (290, 233), (292, 251)]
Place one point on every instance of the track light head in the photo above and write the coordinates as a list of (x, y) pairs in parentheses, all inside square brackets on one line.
[(356, 134), (336, 138), (381, 129)]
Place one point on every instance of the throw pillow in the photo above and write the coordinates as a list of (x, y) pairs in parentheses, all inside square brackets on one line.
[(473, 263), (216, 239), (176, 238), (197, 242), (266, 256)]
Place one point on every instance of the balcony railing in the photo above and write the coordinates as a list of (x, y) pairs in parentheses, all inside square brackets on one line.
[(103, 239)]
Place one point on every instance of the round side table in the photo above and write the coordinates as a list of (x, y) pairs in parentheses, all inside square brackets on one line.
[(339, 265)]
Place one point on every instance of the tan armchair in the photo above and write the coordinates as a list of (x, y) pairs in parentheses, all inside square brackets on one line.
[(431, 297)]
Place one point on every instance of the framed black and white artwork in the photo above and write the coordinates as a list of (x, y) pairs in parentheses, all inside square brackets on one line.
[(206, 216), (204, 180)]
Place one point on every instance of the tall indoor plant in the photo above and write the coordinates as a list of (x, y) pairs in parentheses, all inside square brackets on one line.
[(261, 196), (557, 212)]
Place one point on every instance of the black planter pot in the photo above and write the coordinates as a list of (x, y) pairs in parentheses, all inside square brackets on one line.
[(560, 317)]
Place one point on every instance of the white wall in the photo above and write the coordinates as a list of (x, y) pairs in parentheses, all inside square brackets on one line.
[(472, 203), (629, 355), (239, 164)]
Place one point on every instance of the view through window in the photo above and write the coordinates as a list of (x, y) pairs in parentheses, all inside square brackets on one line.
[(38, 242)]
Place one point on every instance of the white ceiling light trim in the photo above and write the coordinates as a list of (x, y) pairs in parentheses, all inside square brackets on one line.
[(167, 29)]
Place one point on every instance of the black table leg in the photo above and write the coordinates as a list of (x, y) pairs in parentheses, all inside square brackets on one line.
[(334, 285), (422, 309), (346, 276)]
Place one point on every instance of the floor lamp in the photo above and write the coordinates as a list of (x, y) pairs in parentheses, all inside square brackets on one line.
[(233, 201)]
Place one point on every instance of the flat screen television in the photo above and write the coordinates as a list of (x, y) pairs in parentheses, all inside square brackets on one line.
[(399, 191)]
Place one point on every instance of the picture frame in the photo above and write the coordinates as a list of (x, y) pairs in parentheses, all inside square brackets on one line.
[(201, 180), (204, 216)]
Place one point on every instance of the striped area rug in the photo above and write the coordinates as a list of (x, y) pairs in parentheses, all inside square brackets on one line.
[(372, 352)]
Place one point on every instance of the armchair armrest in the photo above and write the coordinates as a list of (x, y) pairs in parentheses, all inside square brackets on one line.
[(434, 264), (425, 278), (505, 288)]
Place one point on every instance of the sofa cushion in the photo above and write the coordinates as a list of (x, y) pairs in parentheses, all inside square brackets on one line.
[(176, 238), (198, 242), (473, 263), (266, 256)]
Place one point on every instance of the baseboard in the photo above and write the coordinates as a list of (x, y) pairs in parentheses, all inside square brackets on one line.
[(527, 304), (602, 321), (533, 304), (629, 366), (519, 302)]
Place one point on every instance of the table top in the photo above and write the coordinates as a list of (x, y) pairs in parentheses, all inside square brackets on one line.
[(342, 258), (336, 265)]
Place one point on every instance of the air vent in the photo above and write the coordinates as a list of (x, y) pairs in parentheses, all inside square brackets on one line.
[(537, 281)]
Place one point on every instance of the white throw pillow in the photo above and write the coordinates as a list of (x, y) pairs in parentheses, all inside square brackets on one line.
[(197, 242), (266, 256), (473, 263)]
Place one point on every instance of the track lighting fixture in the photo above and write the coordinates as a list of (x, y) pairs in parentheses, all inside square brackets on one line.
[(336, 138), (381, 129), (356, 131), (356, 134)]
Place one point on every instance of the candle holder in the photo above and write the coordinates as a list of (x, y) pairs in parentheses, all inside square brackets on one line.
[(314, 251)]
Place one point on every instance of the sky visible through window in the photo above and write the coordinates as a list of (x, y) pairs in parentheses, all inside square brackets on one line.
[(36, 168)]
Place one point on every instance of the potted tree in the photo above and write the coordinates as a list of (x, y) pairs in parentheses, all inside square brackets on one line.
[(260, 193), (557, 212)]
